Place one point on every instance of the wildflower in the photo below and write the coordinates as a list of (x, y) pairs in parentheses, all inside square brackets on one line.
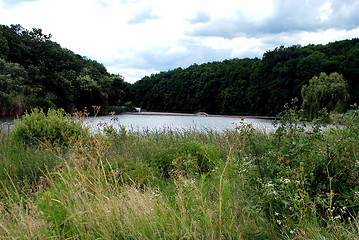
[(269, 184), (275, 213), (286, 180), (279, 222)]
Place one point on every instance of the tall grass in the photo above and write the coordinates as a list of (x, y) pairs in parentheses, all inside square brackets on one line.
[(242, 184)]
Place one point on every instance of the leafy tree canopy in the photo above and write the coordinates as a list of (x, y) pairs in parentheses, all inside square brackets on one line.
[(252, 86), (37, 72), (324, 92)]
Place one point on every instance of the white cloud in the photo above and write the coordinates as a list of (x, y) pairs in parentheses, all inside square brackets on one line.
[(140, 37), (143, 16), (325, 10), (201, 17), (13, 3)]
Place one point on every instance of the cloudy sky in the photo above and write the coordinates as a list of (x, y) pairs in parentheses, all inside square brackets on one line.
[(139, 37)]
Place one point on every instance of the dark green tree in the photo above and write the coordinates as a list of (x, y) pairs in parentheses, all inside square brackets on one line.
[(12, 77), (324, 92)]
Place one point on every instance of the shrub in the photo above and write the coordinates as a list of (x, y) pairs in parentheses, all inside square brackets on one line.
[(312, 171), (54, 127), (194, 156)]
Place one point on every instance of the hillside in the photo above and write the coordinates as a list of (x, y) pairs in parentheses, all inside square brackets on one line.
[(37, 72), (249, 86)]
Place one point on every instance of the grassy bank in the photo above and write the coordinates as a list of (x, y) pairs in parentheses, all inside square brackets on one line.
[(59, 181)]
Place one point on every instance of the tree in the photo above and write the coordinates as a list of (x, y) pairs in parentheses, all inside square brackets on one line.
[(4, 47), (12, 77), (329, 92)]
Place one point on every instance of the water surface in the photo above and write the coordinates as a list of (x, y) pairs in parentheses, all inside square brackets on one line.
[(140, 123), (163, 121)]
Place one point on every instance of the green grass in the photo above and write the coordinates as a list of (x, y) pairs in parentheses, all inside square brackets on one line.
[(296, 183)]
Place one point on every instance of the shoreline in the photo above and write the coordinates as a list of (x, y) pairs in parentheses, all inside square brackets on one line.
[(199, 114)]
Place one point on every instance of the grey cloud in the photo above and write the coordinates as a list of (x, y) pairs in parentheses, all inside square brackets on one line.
[(14, 3), (162, 59), (194, 54), (201, 17), (289, 16), (144, 16)]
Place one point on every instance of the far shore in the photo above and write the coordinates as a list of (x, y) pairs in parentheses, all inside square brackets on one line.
[(199, 114)]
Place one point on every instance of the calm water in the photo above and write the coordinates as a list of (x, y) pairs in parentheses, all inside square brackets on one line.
[(139, 123), (6, 123)]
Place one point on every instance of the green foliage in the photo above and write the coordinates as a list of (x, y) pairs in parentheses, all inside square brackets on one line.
[(324, 92), (12, 78), (194, 156), (51, 76), (311, 173), (298, 182), (59, 78), (248, 86), (22, 168), (54, 127), (4, 47)]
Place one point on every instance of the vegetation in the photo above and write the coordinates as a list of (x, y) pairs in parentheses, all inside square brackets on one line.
[(325, 92), (298, 182), (37, 72), (59, 179), (55, 127), (249, 86)]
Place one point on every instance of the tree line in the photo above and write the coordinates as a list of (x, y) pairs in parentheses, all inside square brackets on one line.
[(256, 86), (37, 72)]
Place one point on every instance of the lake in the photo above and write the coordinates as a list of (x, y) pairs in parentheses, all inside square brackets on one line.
[(6, 123), (173, 121), (161, 121)]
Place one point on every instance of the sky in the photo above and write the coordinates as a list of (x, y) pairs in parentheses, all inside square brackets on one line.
[(136, 38)]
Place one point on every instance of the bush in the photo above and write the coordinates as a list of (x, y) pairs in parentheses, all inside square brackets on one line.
[(312, 171), (54, 127), (194, 156)]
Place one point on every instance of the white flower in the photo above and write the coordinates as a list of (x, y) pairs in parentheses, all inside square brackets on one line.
[(279, 222), (275, 213), (269, 184)]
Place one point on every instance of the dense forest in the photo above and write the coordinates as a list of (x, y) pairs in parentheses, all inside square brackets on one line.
[(251, 86), (37, 72)]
